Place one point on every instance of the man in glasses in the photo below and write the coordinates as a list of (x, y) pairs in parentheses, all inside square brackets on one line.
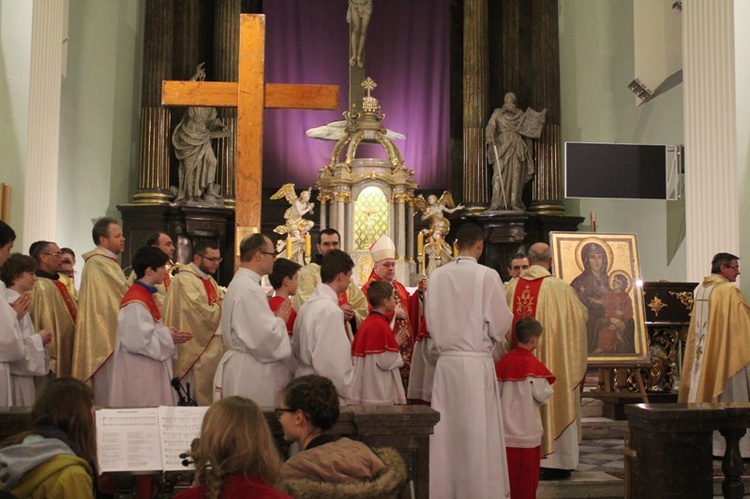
[(258, 361), (52, 306), (714, 371), (194, 304)]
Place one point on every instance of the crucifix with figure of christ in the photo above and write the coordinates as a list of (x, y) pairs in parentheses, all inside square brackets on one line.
[(250, 95)]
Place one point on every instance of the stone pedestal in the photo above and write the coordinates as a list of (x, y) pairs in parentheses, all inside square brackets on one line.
[(185, 225)]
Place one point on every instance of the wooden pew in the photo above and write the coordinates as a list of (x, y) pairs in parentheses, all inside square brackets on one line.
[(405, 427)]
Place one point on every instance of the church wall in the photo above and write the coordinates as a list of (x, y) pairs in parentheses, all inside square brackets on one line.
[(15, 60), (742, 75), (99, 116), (597, 63)]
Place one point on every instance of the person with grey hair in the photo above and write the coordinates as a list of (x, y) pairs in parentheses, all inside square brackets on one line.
[(103, 284), (538, 294), (716, 365), (257, 362), (53, 307)]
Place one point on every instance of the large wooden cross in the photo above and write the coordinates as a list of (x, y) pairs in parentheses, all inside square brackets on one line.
[(250, 95)]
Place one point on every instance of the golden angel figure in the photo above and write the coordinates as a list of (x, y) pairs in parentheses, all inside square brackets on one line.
[(295, 227)]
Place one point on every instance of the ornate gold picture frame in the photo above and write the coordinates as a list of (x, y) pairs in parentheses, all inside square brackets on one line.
[(604, 270)]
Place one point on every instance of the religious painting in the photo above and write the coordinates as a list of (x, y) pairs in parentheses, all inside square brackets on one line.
[(604, 270)]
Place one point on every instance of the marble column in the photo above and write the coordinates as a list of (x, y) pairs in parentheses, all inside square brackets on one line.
[(410, 230), (476, 194), (226, 68), (155, 144), (48, 33), (547, 196), (710, 114), (400, 225)]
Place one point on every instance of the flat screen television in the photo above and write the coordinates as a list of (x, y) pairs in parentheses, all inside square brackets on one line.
[(625, 171)]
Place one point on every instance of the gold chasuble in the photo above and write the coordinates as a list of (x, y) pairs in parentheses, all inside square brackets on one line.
[(562, 348), (103, 285), (718, 340), (194, 304), (53, 308)]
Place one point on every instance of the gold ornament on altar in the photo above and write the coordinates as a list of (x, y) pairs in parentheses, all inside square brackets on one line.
[(297, 245), (436, 248)]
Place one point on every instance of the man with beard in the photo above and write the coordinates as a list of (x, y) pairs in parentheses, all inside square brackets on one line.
[(194, 304)]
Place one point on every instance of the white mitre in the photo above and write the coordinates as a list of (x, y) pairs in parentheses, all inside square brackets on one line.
[(382, 249)]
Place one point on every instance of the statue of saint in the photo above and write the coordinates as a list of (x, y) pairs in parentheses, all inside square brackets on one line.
[(192, 144), (508, 152), (358, 16)]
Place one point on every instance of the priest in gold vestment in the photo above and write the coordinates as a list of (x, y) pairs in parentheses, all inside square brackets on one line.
[(194, 304), (353, 302), (52, 307), (716, 365), (563, 350), (103, 285), (163, 241)]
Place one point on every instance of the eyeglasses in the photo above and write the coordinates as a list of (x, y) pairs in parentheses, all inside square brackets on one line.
[(54, 253), (281, 410), (737, 268), (268, 253), (214, 259)]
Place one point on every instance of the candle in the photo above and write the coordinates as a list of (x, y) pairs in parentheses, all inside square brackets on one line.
[(455, 249), (308, 245), (420, 244), (289, 248)]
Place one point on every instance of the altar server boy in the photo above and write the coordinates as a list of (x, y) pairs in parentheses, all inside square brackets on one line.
[(375, 349), (524, 387), (144, 346)]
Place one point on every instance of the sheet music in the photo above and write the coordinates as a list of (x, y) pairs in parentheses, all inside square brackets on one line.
[(128, 440), (146, 439), (178, 427)]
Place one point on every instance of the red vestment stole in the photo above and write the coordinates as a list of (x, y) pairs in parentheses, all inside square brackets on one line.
[(525, 300), (67, 299), (139, 294), (410, 324), (519, 364), (374, 336)]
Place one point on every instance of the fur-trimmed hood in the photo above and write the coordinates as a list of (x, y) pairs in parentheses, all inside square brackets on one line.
[(384, 485)]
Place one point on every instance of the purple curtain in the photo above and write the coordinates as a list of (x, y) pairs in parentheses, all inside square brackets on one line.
[(407, 54)]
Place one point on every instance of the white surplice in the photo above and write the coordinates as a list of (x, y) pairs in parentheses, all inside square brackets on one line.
[(257, 363), (141, 365), (422, 371), (320, 343), (466, 315), (35, 362), (12, 345)]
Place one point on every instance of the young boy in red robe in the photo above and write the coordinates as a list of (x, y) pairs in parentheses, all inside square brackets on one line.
[(284, 282), (524, 387), (377, 379)]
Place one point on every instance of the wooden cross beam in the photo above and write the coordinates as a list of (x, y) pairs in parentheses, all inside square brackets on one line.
[(250, 95)]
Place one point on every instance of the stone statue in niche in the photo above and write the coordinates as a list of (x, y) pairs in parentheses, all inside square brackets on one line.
[(358, 16), (506, 135), (192, 145)]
